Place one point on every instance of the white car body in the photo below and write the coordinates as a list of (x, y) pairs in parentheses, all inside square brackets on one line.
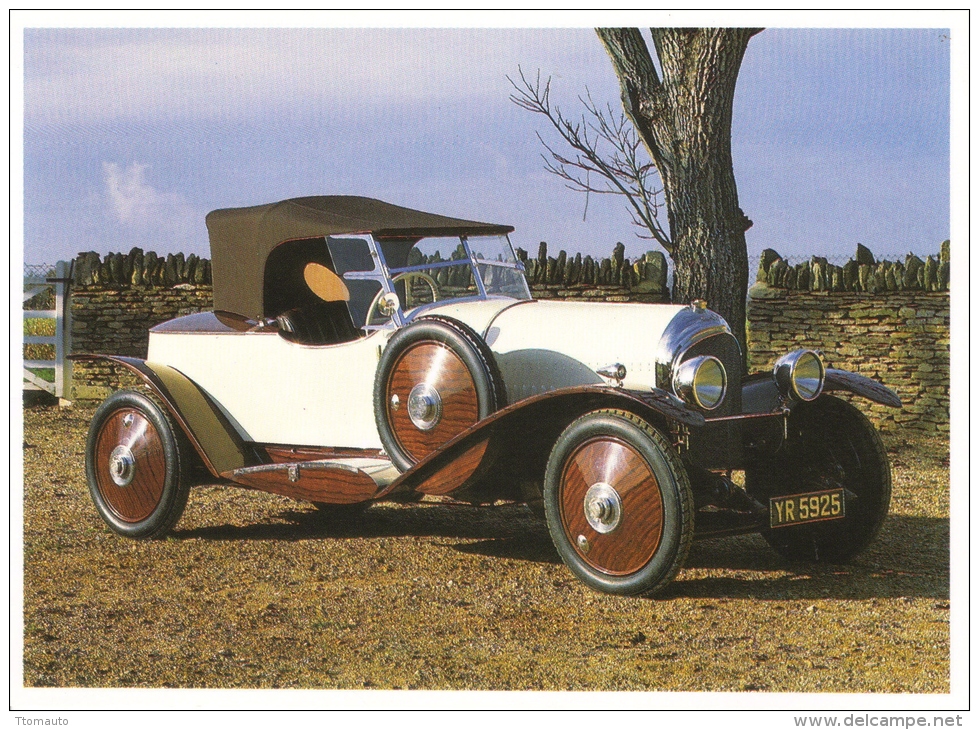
[(539, 345)]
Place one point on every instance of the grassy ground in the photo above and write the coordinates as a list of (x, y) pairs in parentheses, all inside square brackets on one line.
[(40, 328), (253, 590)]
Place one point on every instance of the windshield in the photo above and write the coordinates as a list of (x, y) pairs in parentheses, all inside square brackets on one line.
[(440, 269), (498, 268)]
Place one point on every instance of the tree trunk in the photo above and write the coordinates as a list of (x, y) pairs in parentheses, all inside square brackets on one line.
[(685, 122)]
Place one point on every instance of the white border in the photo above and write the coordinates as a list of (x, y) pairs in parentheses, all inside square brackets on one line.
[(137, 699)]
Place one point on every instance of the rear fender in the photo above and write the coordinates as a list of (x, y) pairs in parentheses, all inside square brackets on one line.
[(217, 442)]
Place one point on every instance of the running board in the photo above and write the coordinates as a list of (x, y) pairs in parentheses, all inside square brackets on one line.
[(334, 481)]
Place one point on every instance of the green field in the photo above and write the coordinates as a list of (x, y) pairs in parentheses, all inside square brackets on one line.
[(40, 328)]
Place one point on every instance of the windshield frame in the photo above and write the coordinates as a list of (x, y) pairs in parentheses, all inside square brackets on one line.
[(477, 266)]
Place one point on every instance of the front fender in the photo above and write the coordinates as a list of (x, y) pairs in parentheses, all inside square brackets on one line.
[(209, 431), (518, 439), (861, 385), (760, 394)]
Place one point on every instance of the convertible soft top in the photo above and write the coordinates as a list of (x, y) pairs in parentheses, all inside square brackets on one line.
[(241, 238)]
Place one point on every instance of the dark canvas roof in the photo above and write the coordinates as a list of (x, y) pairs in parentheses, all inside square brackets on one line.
[(241, 238)]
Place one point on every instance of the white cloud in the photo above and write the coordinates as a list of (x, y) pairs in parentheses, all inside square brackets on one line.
[(133, 201), (142, 215)]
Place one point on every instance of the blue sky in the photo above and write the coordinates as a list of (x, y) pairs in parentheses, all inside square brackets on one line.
[(132, 135)]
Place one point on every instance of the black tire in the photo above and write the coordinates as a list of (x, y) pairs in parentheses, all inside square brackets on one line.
[(641, 550), (137, 463), (471, 354), (831, 444)]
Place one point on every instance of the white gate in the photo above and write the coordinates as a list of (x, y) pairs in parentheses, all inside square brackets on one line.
[(35, 282)]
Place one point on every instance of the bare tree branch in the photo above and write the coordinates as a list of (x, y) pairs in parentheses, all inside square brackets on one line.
[(603, 143)]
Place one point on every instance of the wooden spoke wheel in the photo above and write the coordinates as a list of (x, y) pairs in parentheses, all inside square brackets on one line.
[(136, 462), (618, 503), (831, 445), (435, 379)]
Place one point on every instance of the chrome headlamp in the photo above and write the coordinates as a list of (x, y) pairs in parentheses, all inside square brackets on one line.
[(800, 374), (701, 381)]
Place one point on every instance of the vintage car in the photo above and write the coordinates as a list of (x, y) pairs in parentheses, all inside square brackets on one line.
[(360, 351)]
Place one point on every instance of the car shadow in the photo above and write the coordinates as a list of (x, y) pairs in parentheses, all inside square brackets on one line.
[(535, 548), (909, 559), (505, 522)]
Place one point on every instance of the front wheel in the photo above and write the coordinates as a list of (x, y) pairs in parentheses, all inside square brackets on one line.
[(435, 379), (137, 463), (618, 503), (831, 445)]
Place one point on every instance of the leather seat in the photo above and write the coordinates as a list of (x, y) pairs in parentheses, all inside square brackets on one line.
[(325, 323)]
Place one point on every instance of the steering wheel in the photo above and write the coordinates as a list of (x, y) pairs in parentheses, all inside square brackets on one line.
[(400, 277), (420, 275)]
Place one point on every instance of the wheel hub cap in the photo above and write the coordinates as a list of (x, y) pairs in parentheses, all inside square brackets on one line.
[(603, 507), (424, 406), (122, 466)]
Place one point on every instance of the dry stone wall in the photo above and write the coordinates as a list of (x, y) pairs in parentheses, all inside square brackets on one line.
[(899, 336), (614, 279), (140, 269), (115, 320), (862, 273), (901, 340), (886, 320)]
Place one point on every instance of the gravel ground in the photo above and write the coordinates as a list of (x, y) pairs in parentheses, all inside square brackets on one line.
[(254, 590)]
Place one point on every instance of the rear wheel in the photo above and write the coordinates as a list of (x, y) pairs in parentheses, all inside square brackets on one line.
[(831, 445), (137, 463), (618, 503)]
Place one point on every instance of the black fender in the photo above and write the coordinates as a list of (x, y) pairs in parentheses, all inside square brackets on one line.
[(217, 442), (760, 394), (861, 385), (519, 438)]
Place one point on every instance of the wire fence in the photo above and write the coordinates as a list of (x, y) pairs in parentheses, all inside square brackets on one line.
[(35, 275), (38, 271)]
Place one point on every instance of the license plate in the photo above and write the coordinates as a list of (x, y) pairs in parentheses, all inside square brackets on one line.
[(795, 509)]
